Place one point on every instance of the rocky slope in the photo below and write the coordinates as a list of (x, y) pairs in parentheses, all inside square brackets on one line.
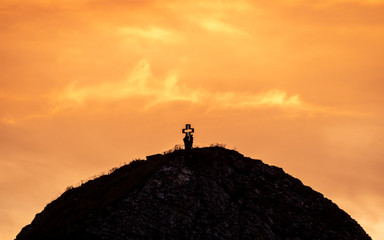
[(206, 193)]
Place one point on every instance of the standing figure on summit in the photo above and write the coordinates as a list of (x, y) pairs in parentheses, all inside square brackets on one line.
[(188, 139)]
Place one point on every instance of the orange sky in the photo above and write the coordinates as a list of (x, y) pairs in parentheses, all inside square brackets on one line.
[(88, 85)]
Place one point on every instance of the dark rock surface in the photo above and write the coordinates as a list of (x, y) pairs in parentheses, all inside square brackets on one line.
[(206, 193)]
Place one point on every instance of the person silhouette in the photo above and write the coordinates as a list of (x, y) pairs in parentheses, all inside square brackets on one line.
[(186, 142), (190, 141)]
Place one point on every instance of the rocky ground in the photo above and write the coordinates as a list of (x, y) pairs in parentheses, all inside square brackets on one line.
[(204, 193)]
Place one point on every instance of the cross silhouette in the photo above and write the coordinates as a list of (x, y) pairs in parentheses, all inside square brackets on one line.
[(188, 139), (188, 130)]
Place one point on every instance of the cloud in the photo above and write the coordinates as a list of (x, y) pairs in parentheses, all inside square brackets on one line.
[(378, 2), (216, 25), (62, 4), (271, 98), (142, 83), (151, 33)]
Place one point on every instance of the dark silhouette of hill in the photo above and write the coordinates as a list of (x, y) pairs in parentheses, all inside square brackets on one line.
[(204, 193)]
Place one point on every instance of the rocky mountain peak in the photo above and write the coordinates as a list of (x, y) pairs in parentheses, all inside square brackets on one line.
[(202, 193)]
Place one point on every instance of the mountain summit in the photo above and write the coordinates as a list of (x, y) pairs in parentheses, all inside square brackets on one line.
[(202, 193)]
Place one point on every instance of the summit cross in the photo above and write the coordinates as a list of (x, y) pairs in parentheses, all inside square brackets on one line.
[(188, 139), (188, 130)]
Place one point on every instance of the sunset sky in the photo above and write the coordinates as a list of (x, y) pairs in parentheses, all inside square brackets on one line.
[(86, 86)]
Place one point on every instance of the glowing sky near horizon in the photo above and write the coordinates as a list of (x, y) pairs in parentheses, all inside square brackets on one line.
[(88, 85)]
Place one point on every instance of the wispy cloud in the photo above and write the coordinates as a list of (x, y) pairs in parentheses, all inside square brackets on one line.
[(142, 83), (150, 33), (216, 25)]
